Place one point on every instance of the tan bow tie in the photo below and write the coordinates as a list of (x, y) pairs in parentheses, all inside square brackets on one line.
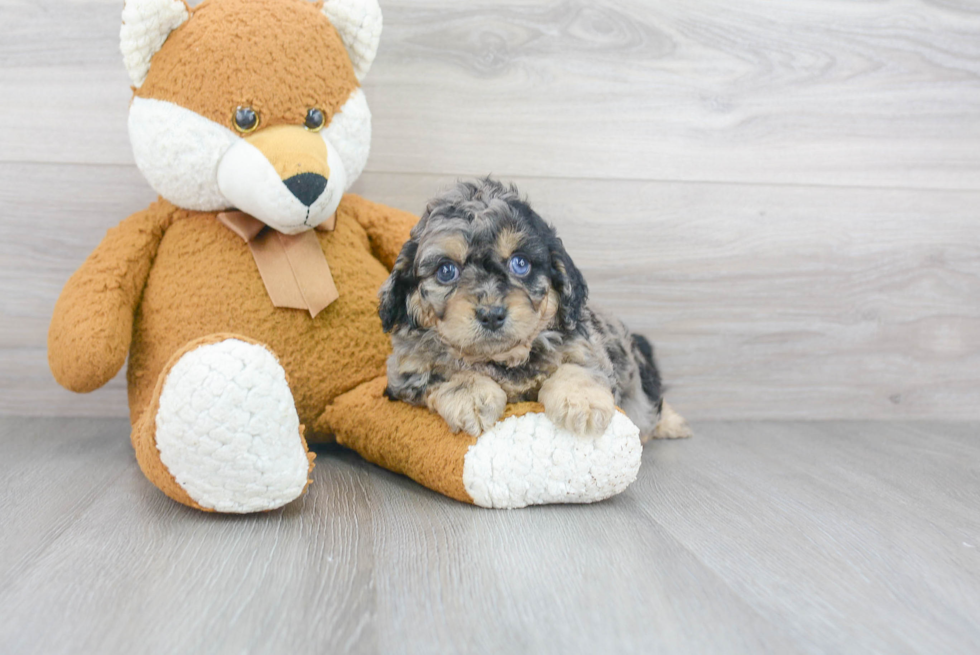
[(293, 266)]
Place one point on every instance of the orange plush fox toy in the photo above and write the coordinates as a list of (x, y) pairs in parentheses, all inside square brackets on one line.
[(246, 296)]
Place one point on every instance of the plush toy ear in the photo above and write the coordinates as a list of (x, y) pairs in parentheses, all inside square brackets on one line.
[(146, 25), (359, 24)]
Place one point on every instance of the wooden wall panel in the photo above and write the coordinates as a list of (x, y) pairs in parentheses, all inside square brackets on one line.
[(785, 198), (829, 92)]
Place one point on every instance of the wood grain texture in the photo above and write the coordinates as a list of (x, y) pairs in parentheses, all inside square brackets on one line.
[(762, 301), (785, 198), (844, 93), (754, 537), (841, 93)]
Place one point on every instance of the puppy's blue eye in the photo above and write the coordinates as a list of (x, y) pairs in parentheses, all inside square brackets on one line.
[(519, 266), (447, 273)]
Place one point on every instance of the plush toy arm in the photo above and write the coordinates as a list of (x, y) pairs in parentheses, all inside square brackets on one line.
[(92, 325), (522, 460), (387, 228)]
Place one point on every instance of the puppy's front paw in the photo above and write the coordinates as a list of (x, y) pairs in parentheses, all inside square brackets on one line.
[(576, 402), (469, 402), (582, 413)]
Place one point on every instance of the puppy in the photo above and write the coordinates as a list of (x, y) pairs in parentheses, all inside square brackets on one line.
[(485, 307)]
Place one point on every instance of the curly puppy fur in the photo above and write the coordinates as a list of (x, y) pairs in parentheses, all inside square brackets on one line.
[(486, 307)]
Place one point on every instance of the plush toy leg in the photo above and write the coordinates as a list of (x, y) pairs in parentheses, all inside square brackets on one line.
[(221, 432), (523, 460)]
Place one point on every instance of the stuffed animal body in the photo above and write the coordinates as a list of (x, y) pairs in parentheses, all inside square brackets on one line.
[(246, 296)]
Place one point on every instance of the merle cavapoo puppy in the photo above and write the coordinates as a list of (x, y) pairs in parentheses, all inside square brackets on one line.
[(485, 307)]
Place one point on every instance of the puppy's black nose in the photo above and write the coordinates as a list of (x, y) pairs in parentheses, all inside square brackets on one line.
[(306, 186), (491, 317)]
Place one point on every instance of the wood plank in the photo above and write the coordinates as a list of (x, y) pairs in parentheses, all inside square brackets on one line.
[(368, 562), (558, 579), (783, 537), (65, 114), (763, 301), (857, 537), (52, 217), (51, 472), (134, 571), (27, 388), (841, 93), (51, 34), (831, 93)]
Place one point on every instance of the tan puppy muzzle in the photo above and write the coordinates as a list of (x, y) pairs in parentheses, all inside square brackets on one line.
[(298, 156)]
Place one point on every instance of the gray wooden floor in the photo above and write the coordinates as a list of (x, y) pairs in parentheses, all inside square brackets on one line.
[(785, 197), (784, 537)]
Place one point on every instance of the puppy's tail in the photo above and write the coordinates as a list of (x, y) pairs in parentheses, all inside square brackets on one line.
[(649, 375), (670, 424)]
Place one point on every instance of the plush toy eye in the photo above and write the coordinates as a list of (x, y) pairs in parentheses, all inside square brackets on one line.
[(519, 266), (314, 120), (447, 273), (246, 119)]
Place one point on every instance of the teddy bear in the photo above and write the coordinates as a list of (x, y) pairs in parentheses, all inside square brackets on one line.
[(245, 297)]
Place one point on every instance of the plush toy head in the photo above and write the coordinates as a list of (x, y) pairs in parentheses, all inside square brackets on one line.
[(286, 131)]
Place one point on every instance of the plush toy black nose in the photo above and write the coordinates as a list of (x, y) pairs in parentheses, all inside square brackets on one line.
[(491, 317), (306, 186)]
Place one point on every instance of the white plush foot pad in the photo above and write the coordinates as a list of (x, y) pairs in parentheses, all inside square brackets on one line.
[(228, 431), (525, 460)]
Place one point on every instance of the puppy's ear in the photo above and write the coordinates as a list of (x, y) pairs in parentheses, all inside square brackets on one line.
[(570, 285), (393, 308)]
